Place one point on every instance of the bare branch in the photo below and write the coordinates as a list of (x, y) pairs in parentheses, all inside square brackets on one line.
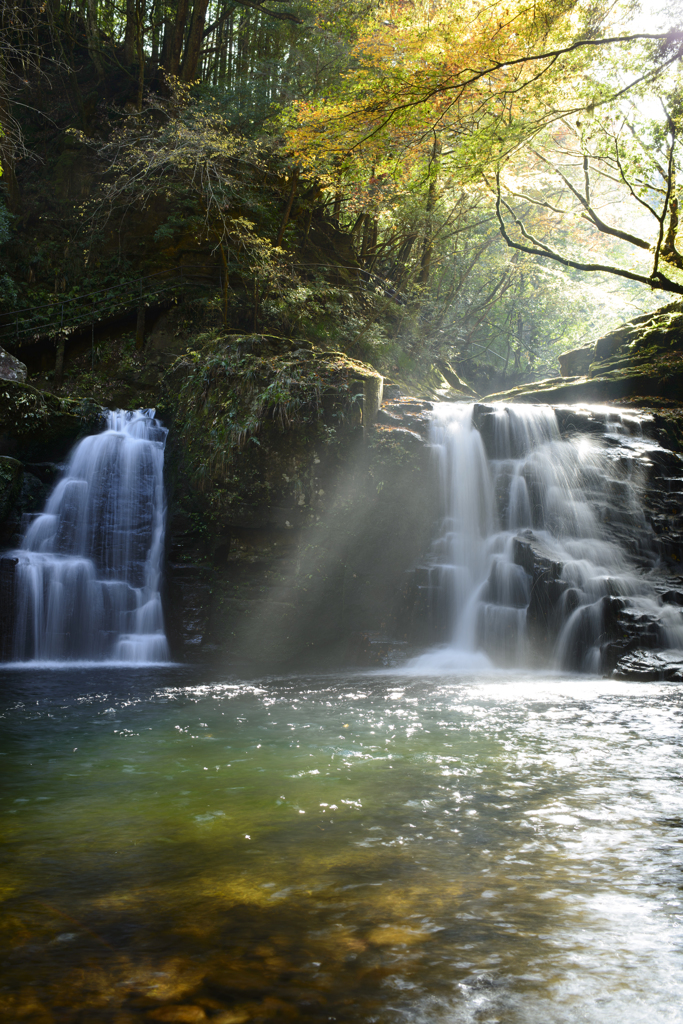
[(658, 281), (597, 221)]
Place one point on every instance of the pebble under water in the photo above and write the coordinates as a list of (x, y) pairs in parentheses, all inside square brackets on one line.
[(373, 848)]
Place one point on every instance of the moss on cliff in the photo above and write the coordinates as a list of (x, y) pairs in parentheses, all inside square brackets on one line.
[(252, 413)]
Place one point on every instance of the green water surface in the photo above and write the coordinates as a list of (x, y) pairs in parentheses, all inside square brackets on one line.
[(378, 848)]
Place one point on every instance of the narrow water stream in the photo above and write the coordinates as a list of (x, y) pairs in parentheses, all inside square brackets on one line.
[(381, 848)]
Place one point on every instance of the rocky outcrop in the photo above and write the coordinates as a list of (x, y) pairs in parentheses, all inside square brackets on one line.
[(577, 362), (11, 368), (296, 504), (37, 431), (641, 360), (651, 666)]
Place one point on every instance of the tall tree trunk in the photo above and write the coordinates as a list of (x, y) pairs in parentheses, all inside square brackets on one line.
[(193, 49), (176, 47), (288, 208), (59, 358), (167, 43), (399, 269), (93, 38), (139, 39), (428, 243), (131, 32), (140, 326)]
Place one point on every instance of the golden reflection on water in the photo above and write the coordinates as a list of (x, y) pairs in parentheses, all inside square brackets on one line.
[(354, 850)]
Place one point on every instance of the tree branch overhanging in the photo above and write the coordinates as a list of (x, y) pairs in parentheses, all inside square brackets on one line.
[(657, 281)]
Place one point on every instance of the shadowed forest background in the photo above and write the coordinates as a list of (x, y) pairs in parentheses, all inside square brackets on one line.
[(343, 172)]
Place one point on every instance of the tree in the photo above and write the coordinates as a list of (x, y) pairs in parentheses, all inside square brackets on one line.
[(180, 149), (610, 174)]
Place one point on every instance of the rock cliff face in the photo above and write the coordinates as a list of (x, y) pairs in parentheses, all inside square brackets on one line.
[(293, 516), (299, 507), (37, 431)]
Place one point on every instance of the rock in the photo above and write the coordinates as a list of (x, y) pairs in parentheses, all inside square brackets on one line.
[(235, 1016), (647, 665), (642, 358), (8, 565), (11, 480), (576, 420), (576, 362), (184, 1014), (11, 368), (609, 343), (396, 935), (372, 399), (453, 378), (36, 426)]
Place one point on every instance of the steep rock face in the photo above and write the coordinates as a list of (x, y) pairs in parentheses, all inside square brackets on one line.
[(37, 431), (292, 517)]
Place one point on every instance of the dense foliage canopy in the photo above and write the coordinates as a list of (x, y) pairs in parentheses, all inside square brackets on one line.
[(489, 183)]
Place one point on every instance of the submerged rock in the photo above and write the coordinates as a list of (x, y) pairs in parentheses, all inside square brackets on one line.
[(183, 1014)]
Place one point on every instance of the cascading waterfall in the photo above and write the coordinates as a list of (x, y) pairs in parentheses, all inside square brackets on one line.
[(88, 572), (533, 485)]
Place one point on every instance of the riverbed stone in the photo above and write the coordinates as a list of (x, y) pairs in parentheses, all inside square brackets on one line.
[(649, 665), (180, 1014)]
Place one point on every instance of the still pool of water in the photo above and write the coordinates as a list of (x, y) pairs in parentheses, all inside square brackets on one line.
[(340, 848)]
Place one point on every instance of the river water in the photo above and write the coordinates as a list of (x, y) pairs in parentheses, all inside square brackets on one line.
[(373, 848)]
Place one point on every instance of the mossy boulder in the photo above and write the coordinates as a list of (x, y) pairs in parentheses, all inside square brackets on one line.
[(293, 519), (257, 425)]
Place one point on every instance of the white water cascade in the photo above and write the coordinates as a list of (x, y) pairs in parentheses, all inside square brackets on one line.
[(88, 572), (534, 487)]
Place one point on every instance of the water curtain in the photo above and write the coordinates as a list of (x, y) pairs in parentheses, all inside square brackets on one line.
[(88, 572), (508, 479)]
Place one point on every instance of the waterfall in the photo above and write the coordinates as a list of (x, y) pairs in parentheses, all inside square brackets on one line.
[(87, 576), (514, 492)]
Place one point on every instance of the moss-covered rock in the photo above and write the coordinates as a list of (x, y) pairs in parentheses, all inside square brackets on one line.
[(253, 419), (641, 361), (292, 523)]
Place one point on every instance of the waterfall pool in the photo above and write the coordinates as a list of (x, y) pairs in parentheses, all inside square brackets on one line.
[(363, 847)]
